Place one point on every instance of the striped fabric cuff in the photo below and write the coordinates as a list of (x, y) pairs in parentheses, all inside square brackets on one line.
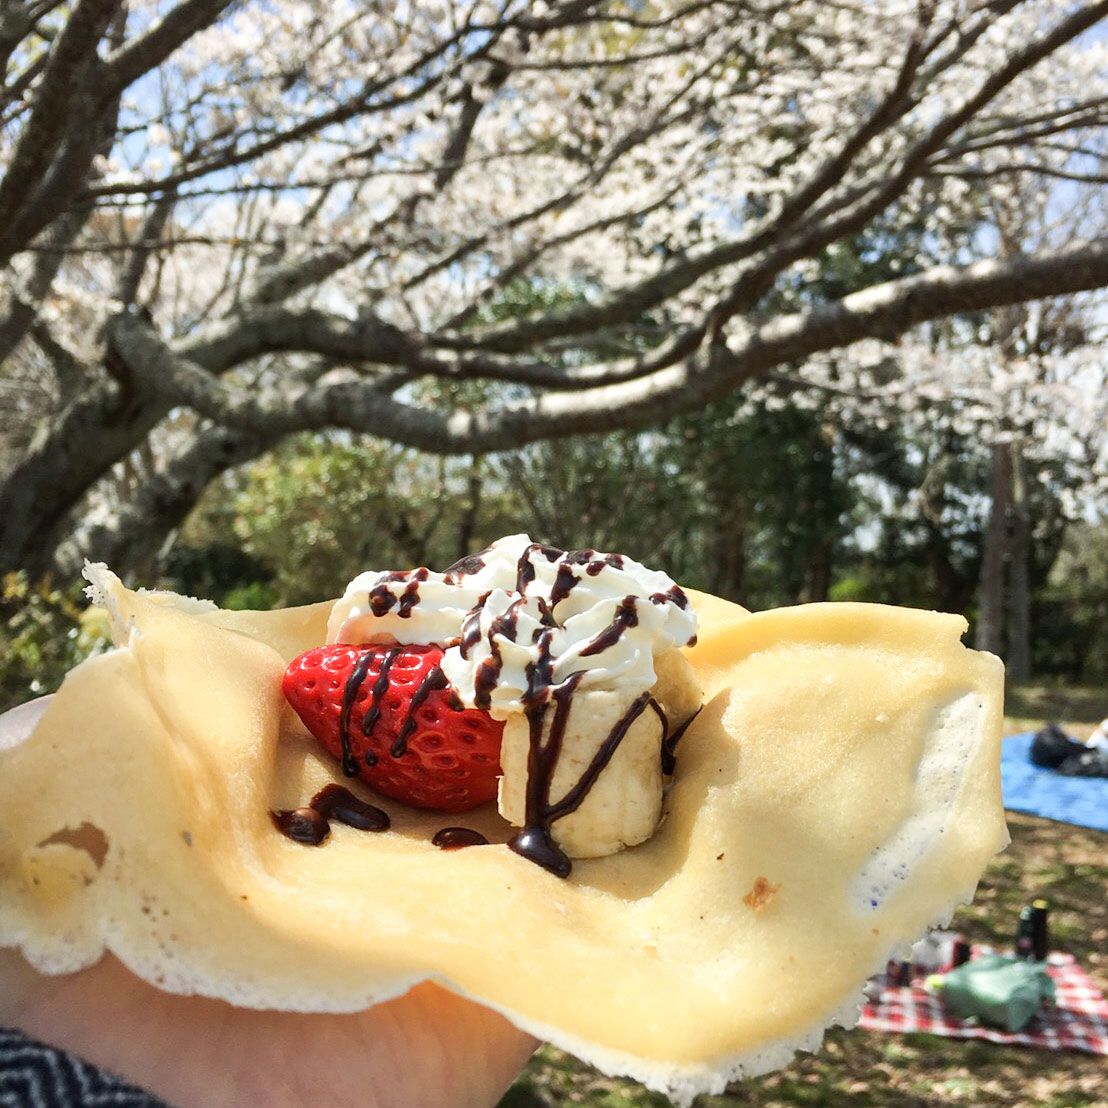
[(33, 1075)]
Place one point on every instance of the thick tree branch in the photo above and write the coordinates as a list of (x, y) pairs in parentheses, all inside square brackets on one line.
[(90, 129), (884, 311), (26, 303), (161, 504), (130, 277), (59, 89), (151, 48)]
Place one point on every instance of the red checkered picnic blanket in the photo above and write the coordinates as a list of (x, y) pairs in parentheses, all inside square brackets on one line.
[(1077, 1021)]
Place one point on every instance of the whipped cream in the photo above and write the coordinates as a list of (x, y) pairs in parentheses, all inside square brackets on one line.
[(519, 619)]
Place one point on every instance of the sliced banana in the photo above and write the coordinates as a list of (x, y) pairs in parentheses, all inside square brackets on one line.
[(623, 806)]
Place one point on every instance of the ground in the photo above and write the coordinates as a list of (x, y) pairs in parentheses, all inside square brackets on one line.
[(857, 1069)]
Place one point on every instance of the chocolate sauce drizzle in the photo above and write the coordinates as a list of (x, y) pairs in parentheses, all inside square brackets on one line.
[(338, 803), (627, 615), (311, 825), (349, 694), (525, 567), (669, 742), (455, 838), (302, 825), (377, 696), (381, 599), (464, 567), (409, 598), (435, 679)]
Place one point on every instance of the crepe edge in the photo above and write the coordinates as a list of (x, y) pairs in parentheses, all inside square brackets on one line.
[(680, 1083)]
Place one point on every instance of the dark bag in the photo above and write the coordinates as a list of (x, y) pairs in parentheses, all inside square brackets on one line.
[(1052, 746), (1091, 762)]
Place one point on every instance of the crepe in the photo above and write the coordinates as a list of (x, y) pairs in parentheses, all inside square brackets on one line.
[(838, 793)]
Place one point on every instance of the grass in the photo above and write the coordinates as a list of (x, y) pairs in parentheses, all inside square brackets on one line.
[(857, 1069), (1028, 706)]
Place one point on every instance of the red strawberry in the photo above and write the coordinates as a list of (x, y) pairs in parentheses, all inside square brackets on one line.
[(420, 749)]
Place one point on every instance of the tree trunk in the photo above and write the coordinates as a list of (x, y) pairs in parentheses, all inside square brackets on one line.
[(134, 539), (951, 588), (817, 575), (990, 616), (467, 521), (1018, 659), (63, 462), (728, 579)]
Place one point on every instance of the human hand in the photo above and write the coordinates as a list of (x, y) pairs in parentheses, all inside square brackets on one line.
[(426, 1049)]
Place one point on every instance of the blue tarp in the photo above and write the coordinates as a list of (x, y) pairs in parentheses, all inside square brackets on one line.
[(1044, 792)]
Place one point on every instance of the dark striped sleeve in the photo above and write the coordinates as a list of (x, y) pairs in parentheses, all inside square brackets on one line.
[(33, 1075)]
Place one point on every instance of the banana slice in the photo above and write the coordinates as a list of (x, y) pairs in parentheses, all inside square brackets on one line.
[(624, 804)]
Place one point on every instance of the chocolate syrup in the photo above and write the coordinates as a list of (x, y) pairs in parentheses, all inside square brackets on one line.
[(380, 598), (455, 838), (485, 679), (540, 672), (463, 567), (349, 695), (506, 623), (338, 802), (572, 799), (435, 679), (377, 696), (534, 841), (409, 598), (525, 569), (669, 742), (536, 845), (311, 825), (471, 632), (627, 615), (660, 712), (564, 582), (566, 579), (302, 825)]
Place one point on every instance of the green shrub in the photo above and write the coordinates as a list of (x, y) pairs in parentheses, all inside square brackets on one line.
[(46, 632)]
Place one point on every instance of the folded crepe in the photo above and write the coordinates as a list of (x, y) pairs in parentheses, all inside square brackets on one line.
[(838, 794)]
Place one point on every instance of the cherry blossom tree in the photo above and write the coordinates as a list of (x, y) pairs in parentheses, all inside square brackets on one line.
[(224, 223)]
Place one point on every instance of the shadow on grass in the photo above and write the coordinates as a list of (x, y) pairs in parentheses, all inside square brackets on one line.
[(1027, 706)]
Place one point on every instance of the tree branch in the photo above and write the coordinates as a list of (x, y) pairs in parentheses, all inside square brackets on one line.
[(884, 311), (628, 304), (151, 48), (161, 503), (756, 281), (60, 87)]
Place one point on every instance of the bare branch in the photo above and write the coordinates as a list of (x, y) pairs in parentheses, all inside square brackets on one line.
[(130, 276), (161, 503), (60, 86), (150, 49)]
